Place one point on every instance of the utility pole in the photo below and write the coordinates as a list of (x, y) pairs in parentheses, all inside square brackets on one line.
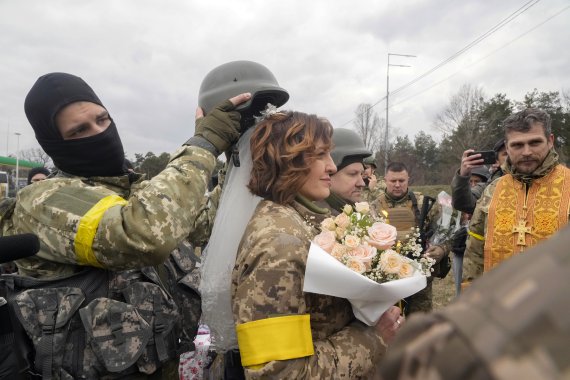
[(17, 160), (387, 133)]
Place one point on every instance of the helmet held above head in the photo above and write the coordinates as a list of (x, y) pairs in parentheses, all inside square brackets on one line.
[(348, 148), (234, 78)]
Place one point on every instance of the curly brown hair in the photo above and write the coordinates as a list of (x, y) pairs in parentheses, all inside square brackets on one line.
[(283, 148)]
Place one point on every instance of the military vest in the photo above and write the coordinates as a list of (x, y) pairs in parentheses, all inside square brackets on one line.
[(403, 215), (104, 324)]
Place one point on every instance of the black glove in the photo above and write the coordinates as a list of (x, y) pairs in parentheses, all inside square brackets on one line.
[(220, 127)]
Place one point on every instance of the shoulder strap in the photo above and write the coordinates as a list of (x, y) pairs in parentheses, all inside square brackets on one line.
[(415, 208)]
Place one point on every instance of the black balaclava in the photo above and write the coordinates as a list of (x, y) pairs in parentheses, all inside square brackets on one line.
[(99, 155), (37, 170)]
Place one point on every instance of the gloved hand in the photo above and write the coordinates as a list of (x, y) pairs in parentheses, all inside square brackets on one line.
[(220, 127)]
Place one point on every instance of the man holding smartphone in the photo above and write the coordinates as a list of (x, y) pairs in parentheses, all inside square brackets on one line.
[(463, 196), (528, 204)]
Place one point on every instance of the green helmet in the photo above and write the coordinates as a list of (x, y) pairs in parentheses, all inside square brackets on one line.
[(370, 161), (348, 148), (234, 78)]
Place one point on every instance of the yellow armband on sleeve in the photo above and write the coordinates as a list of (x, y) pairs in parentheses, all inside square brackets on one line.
[(476, 236), (278, 338), (88, 228)]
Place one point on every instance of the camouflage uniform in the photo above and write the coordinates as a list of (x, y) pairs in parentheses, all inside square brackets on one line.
[(141, 229), (371, 195), (463, 196), (130, 323), (473, 260), (421, 301), (267, 281), (510, 324)]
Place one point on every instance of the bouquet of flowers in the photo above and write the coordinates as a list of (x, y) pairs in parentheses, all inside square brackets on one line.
[(360, 251)]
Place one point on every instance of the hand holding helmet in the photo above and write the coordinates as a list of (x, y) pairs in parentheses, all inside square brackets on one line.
[(221, 127)]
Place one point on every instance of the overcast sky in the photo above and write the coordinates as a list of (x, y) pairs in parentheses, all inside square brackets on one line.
[(146, 58)]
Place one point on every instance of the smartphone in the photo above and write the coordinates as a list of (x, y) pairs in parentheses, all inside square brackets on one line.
[(488, 156)]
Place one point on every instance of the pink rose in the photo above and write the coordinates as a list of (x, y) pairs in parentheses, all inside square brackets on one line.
[(382, 235), (406, 270), (364, 253), (390, 261), (339, 251), (342, 220), (356, 265), (351, 241), (326, 240)]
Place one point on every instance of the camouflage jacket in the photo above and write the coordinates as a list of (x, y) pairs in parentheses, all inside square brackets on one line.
[(267, 281), (109, 222), (370, 195), (510, 324), (463, 196), (473, 260)]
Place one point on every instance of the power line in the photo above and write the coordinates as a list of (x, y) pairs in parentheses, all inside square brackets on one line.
[(483, 58), (495, 28), (491, 31)]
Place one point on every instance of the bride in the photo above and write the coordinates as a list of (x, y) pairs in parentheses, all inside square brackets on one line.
[(283, 332)]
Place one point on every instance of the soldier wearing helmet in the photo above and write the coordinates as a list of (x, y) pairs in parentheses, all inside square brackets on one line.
[(347, 183), (374, 185)]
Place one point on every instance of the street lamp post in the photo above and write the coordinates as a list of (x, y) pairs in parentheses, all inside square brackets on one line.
[(387, 134), (17, 160)]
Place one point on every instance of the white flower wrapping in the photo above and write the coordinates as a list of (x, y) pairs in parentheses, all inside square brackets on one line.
[(326, 275), (357, 256)]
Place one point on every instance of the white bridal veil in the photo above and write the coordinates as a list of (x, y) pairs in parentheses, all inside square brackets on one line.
[(237, 205)]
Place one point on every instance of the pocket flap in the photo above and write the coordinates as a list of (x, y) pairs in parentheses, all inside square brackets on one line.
[(47, 307), (117, 332), (192, 280)]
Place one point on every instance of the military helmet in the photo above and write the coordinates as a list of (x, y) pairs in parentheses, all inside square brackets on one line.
[(348, 148), (370, 161), (234, 78)]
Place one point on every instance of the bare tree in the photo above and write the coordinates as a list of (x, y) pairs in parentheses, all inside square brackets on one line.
[(369, 126), (36, 155), (461, 110)]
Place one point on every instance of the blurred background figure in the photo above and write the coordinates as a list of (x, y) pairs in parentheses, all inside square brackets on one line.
[(37, 174), (512, 323)]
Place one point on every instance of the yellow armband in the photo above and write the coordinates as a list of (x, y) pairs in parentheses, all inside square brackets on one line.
[(279, 338), (476, 236), (88, 228)]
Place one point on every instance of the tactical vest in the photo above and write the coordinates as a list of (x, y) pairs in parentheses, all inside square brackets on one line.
[(403, 217), (103, 324)]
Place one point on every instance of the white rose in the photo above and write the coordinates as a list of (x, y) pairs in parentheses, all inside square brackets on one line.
[(328, 224), (362, 207)]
